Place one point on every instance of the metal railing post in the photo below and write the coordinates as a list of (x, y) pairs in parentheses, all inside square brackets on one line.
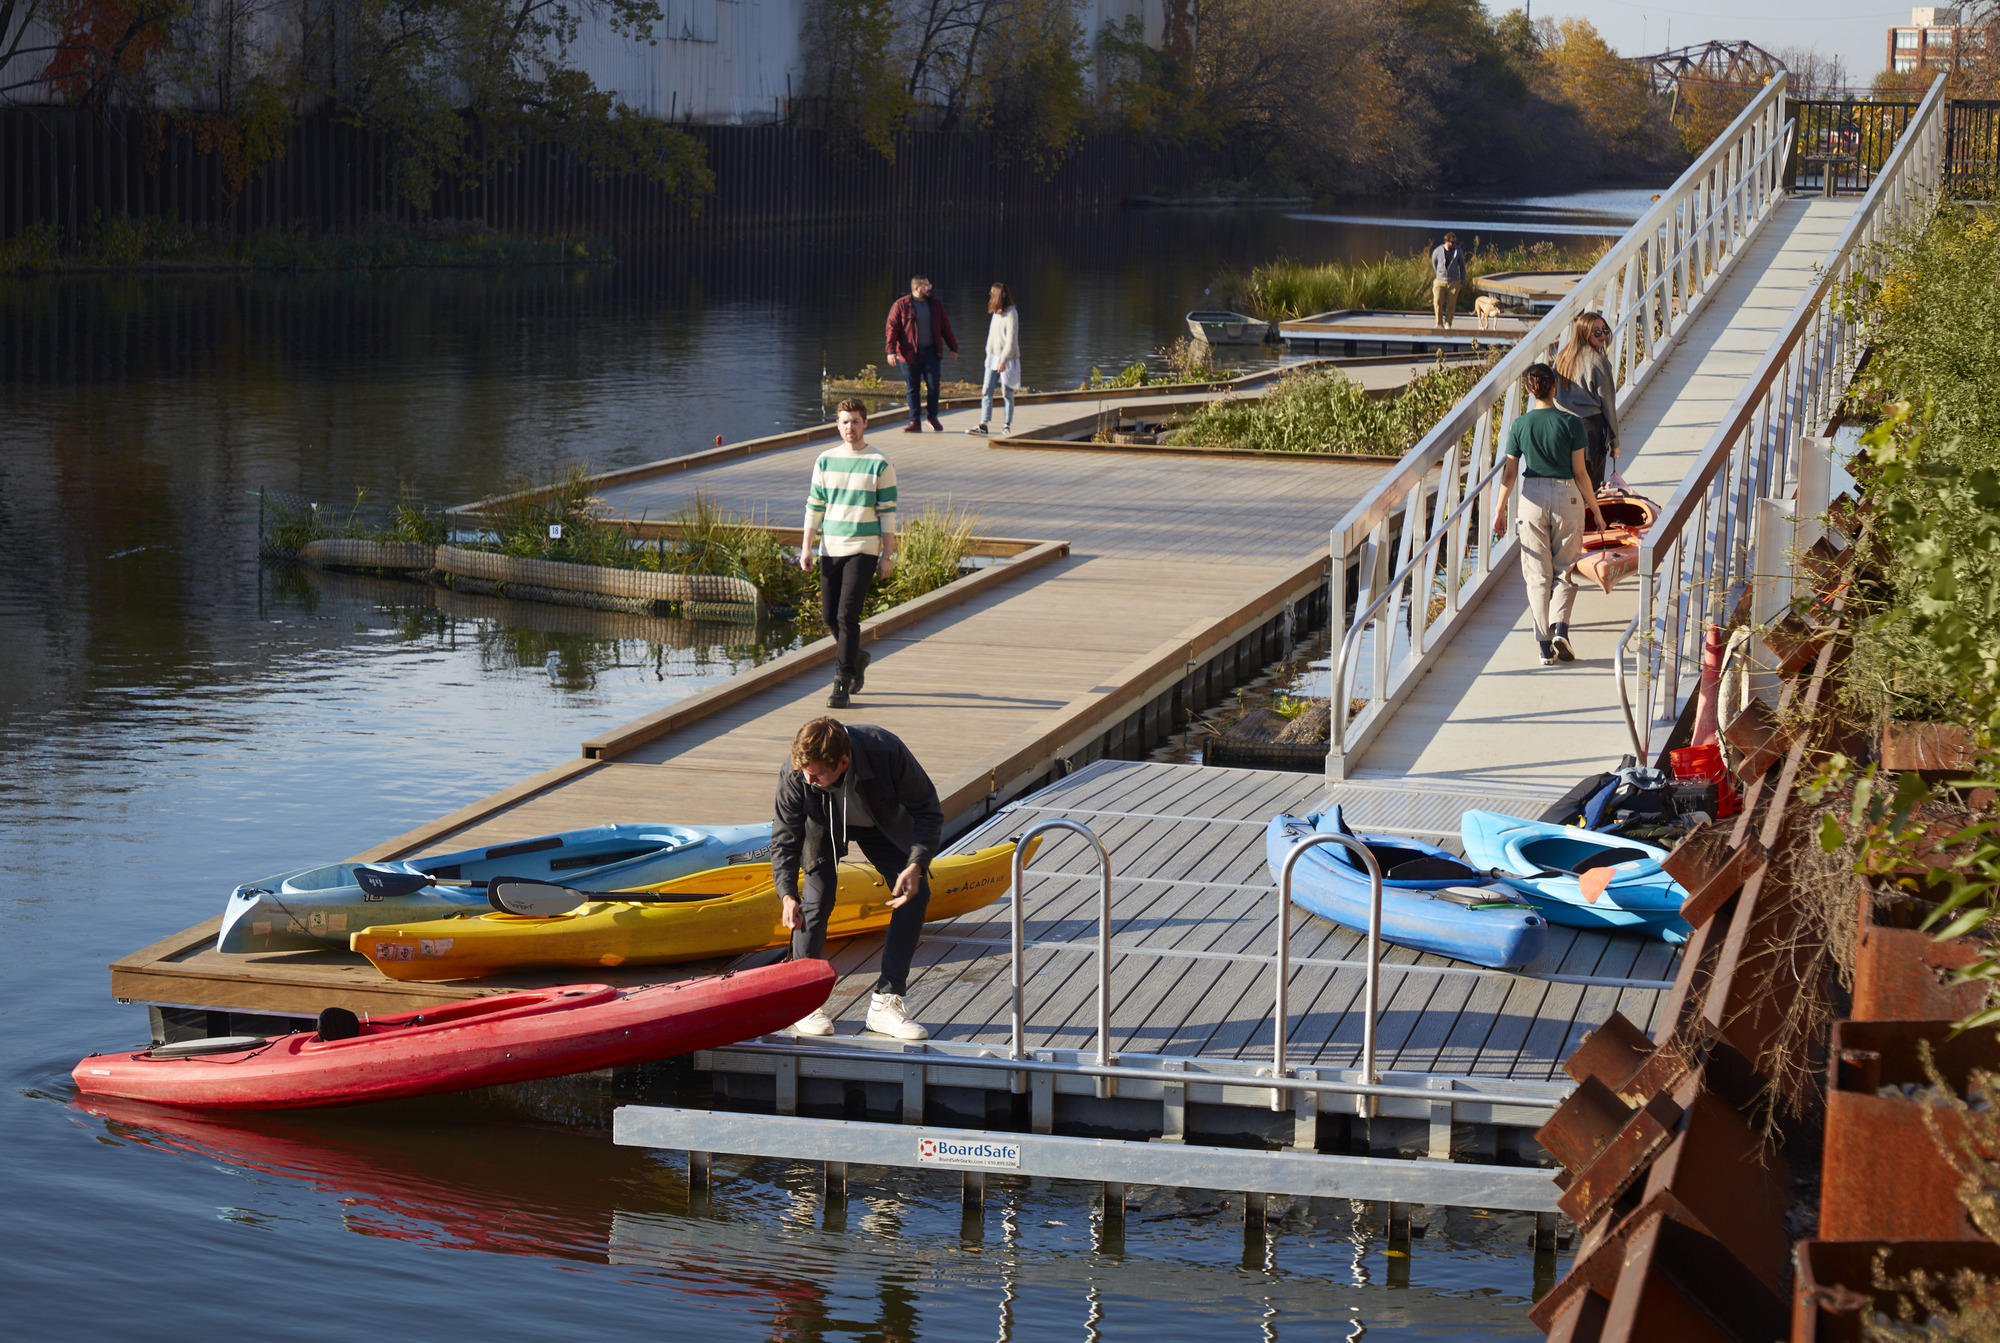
[(1105, 1087), (1282, 965)]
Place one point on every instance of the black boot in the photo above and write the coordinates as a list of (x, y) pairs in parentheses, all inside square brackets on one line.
[(860, 677), (838, 699)]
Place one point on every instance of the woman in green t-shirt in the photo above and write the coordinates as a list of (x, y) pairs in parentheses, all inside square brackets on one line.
[(1546, 448)]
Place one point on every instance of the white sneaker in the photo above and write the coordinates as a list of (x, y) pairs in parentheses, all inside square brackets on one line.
[(887, 1017), (815, 1022)]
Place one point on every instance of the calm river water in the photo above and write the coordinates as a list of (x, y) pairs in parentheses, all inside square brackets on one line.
[(176, 719)]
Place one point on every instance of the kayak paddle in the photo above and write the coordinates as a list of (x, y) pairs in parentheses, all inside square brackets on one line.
[(392, 883), (535, 899)]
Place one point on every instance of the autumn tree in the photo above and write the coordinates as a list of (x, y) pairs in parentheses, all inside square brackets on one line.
[(853, 80), (1616, 107), (1031, 81), (462, 85)]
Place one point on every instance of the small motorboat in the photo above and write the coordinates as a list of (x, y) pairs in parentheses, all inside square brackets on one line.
[(1611, 552), (721, 913), (1431, 901), (476, 1042), (1553, 866), (316, 908), (1227, 328)]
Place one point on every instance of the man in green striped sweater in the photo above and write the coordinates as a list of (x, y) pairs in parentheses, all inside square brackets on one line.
[(851, 507)]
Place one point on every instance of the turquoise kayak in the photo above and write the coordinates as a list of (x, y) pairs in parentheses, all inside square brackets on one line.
[(1545, 863), (1431, 901), (316, 908)]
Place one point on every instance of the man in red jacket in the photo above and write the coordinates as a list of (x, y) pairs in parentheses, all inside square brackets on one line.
[(916, 336)]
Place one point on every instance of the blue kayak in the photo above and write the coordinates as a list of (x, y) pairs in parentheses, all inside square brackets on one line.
[(1543, 862), (1431, 901), (315, 908)]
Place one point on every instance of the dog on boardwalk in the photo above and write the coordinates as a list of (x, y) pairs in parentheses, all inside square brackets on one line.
[(1487, 309)]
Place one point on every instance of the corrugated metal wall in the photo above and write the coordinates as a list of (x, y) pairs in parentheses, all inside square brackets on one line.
[(63, 167)]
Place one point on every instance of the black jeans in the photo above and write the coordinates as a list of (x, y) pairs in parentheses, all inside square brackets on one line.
[(919, 374), (843, 590), (1596, 449), (817, 887)]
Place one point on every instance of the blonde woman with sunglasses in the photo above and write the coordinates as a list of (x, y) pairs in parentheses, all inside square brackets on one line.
[(1589, 390)]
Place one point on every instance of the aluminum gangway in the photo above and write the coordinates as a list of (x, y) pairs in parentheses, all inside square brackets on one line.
[(1732, 352)]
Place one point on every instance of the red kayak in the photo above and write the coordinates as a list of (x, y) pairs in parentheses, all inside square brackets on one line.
[(480, 1042)]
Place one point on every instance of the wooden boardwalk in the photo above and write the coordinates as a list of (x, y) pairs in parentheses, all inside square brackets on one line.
[(1155, 567), (1488, 712)]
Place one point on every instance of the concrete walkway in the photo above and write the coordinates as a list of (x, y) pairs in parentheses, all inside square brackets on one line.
[(1489, 712)]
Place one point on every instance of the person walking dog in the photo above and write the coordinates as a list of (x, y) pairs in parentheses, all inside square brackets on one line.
[(1547, 446), (851, 510), (916, 335), (856, 784), (1447, 274), (1003, 356)]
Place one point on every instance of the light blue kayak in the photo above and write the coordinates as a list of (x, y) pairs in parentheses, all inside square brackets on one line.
[(315, 908), (1544, 863), (1431, 901)]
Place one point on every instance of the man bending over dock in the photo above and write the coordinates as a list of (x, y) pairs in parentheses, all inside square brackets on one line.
[(856, 783)]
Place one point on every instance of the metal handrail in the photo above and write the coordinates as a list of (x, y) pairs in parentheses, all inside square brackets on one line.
[(1797, 378), (1282, 963), (1022, 847), (1684, 245)]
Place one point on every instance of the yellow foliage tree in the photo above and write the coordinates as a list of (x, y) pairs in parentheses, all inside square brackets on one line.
[(1617, 108)]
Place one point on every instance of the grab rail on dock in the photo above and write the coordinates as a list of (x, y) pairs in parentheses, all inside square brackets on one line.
[(1701, 553), (1649, 286), (1282, 963), (1022, 847)]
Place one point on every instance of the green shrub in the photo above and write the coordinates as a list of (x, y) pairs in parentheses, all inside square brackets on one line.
[(1321, 410), (1932, 648)]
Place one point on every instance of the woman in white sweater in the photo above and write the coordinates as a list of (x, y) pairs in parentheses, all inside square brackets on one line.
[(1003, 357)]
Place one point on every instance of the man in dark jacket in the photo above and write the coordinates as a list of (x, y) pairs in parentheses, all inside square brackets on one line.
[(915, 336), (857, 783)]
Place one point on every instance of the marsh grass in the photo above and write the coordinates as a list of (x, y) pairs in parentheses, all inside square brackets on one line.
[(1321, 410), (1284, 290)]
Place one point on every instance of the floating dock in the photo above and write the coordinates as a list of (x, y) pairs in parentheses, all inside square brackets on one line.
[(1361, 331), (1536, 290), (1033, 690)]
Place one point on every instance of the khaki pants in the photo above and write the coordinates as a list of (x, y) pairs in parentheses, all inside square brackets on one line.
[(1549, 523), (1444, 301)]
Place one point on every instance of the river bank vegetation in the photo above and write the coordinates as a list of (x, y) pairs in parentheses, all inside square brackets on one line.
[(1280, 96), (1315, 95), (1285, 290)]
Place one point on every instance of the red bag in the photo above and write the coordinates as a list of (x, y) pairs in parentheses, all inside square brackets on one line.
[(1703, 764)]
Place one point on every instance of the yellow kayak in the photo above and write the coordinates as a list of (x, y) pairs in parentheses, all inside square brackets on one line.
[(730, 910)]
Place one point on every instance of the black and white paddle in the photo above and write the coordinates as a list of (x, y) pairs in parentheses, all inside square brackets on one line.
[(392, 883), (546, 899)]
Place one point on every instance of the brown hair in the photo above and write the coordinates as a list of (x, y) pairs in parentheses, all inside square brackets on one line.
[(855, 405), (1541, 380), (1579, 345), (999, 299), (823, 741)]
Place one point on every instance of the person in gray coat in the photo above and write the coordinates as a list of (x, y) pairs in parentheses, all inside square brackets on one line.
[(1447, 274), (855, 783), (1589, 390)]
